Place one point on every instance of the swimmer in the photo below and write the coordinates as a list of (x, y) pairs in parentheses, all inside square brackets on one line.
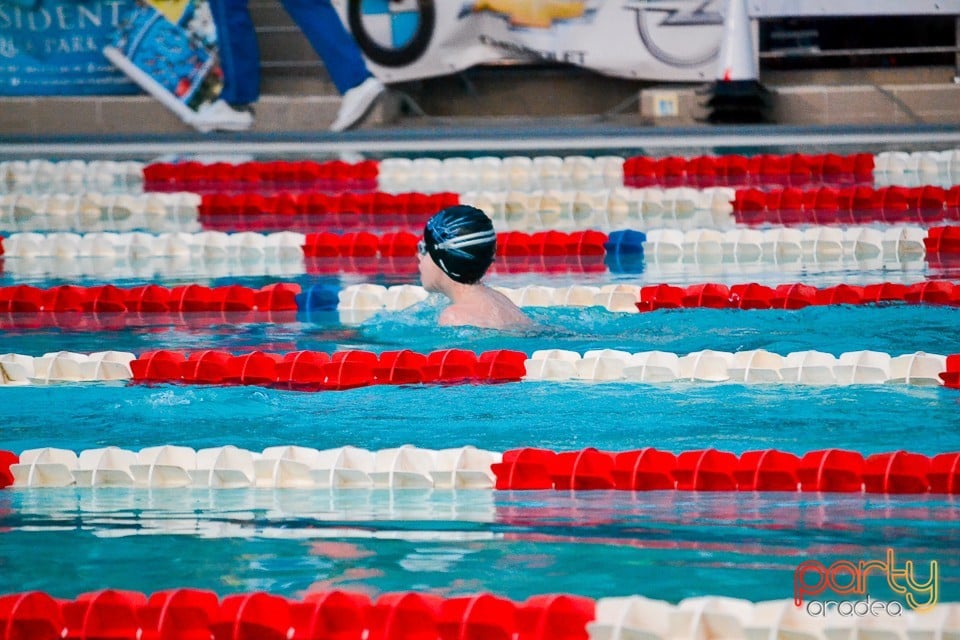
[(458, 247)]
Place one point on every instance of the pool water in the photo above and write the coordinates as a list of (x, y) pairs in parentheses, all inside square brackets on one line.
[(894, 329), (666, 545)]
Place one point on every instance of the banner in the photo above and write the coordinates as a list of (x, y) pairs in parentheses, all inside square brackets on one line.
[(669, 40), (168, 47), (53, 47)]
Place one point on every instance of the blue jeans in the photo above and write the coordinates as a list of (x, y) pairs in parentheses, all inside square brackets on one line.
[(240, 55)]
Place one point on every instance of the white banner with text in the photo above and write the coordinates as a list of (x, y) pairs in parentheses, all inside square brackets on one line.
[(667, 40)]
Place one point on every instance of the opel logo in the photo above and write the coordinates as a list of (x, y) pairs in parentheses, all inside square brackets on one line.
[(672, 29)]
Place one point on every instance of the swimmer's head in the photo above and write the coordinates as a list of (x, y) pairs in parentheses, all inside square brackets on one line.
[(461, 241)]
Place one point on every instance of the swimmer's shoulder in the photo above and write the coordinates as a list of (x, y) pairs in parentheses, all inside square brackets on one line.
[(508, 312), (457, 315), (484, 317)]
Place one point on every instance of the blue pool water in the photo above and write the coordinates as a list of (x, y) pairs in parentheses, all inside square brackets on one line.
[(894, 329), (666, 545)]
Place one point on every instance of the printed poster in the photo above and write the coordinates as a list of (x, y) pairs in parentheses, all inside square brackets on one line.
[(54, 47), (168, 47)]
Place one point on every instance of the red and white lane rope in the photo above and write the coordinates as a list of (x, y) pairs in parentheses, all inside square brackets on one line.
[(284, 252), (607, 209), (146, 299), (107, 307), (315, 371), (814, 244), (489, 172), (196, 613), (627, 298)]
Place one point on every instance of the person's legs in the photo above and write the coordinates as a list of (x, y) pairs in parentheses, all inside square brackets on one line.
[(239, 54), (330, 39)]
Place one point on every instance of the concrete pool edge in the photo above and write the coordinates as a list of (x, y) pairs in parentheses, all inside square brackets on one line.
[(522, 136)]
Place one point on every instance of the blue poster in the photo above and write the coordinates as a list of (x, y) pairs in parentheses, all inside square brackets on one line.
[(55, 47), (174, 60)]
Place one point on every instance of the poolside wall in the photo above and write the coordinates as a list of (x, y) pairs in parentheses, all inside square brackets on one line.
[(297, 103), (299, 97)]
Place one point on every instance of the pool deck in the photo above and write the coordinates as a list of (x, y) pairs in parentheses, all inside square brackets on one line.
[(558, 136)]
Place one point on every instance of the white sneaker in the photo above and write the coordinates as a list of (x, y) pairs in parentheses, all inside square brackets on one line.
[(220, 116), (357, 102)]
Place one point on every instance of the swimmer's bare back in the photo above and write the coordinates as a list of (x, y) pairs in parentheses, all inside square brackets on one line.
[(485, 308)]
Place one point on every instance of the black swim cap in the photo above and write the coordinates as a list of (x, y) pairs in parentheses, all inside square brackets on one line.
[(461, 241)]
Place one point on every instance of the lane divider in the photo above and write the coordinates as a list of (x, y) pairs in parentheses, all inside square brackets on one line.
[(287, 264), (607, 209), (315, 371), (527, 469), (779, 245), (181, 613), (229, 467), (341, 370), (345, 615), (71, 175), (626, 298), (64, 366), (795, 296), (756, 366), (787, 245), (517, 173), (491, 173), (649, 469), (718, 208), (189, 267), (195, 613), (137, 245), (735, 169), (27, 299), (797, 170), (847, 205), (695, 254), (316, 211), (894, 167), (291, 264), (310, 202), (621, 618), (93, 211), (328, 175), (102, 307), (550, 172)]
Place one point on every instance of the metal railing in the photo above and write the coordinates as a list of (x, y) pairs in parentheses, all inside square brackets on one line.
[(760, 9), (802, 49)]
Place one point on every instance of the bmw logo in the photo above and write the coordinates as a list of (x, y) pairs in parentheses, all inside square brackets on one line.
[(392, 33)]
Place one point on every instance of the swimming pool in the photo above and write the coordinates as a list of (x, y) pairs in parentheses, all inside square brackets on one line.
[(666, 545)]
